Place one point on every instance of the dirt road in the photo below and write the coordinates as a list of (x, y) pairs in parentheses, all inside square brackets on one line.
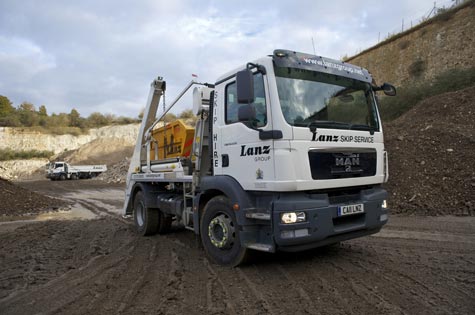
[(416, 265)]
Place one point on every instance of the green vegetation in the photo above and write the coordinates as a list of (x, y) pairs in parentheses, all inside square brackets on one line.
[(8, 154), (410, 94), (26, 115)]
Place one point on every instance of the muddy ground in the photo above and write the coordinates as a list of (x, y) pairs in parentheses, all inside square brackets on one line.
[(97, 265)]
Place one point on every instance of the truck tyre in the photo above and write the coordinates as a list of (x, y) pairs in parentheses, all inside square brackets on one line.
[(220, 233), (74, 177), (62, 177), (146, 219)]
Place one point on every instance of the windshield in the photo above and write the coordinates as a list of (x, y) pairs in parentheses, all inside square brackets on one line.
[(310, 98)]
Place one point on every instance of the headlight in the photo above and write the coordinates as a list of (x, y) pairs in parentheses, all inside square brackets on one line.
[(384, 205), (293, 217)]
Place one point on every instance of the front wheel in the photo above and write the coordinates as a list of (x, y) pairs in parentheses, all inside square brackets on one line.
[(220, 233)]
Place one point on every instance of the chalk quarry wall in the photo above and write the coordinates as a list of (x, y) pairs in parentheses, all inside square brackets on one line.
[(20, 139), (445, 42), (111, 139)]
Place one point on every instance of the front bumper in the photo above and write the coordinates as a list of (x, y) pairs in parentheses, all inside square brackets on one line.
[(323, 225)]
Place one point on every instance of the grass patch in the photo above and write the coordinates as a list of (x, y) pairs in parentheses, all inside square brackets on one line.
[(60, 130), (409, 95), (7, 154)]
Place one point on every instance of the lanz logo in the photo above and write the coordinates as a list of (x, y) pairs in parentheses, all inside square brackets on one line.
[(324, 138), (251, 151)]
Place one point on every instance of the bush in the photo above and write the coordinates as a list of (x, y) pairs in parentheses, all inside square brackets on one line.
[(409, 95), (7, 154), (60, 130), (417, 68)]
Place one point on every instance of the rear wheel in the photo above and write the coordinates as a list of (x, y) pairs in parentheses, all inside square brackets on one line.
[(149, 221), (146, 219), (220, 233), (74, 176)]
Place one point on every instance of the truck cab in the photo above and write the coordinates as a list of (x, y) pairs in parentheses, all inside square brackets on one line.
[(309, 141), (295, 157)]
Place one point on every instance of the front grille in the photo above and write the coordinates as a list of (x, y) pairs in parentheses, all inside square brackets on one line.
[(343, 198), (333, 165)]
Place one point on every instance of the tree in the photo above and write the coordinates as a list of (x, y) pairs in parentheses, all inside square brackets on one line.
[(169, 117), (42, 111), (27, 106), (74, 118), (187, 113), (6, 107), (97, 120), (28, 116)]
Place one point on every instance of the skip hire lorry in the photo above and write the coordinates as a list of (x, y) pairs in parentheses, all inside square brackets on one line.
[(287, 155), (62, 171)]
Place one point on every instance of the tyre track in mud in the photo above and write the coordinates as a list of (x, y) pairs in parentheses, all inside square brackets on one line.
[(101, 266), (426, 281), (336, 293)]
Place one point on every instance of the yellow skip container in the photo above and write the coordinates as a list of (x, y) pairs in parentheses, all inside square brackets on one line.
[(174, 140)]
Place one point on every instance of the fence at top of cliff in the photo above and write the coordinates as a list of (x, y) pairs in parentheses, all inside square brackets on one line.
[(415, 18)]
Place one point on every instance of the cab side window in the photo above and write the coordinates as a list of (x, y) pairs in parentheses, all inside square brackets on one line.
[(259, 104)]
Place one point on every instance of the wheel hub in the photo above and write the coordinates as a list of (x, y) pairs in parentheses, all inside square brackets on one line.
[(221, 232), (140, 215)]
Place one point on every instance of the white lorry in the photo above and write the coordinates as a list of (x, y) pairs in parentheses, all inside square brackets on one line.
[(63, 171), (287, 154)]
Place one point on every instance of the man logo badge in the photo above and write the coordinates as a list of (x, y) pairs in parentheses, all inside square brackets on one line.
[(348, 161)]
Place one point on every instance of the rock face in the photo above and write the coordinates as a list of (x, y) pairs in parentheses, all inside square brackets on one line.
[(21, 139), (443, 43), (15, 169), (106, 145)]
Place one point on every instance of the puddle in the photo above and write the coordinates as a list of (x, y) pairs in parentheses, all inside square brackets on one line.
[(111, 200), (113, 195), (76, 212)]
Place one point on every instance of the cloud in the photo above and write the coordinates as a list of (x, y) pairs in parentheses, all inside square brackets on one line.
[(102, 55), (21, 59)]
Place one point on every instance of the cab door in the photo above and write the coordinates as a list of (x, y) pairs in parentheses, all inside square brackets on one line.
[(244, 156)]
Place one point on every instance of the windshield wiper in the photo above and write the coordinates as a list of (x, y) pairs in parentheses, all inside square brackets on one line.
[(329, 124), (363, 127)]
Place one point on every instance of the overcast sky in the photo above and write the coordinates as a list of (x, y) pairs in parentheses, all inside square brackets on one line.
[(102, 55)]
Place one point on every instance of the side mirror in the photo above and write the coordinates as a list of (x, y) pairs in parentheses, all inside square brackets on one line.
[(245, 86), (246, 113), (388, 89)]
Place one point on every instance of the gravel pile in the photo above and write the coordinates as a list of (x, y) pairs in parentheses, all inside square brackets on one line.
[(116, 173), (17, 201), (431, 155)]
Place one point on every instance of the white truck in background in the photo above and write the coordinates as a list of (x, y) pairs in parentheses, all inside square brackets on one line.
[(287, 155), (63, 171)]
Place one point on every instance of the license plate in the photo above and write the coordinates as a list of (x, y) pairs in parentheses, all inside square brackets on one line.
[(350, 209)]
